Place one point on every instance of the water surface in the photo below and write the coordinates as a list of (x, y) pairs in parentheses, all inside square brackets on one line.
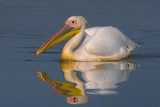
[(131, 82)]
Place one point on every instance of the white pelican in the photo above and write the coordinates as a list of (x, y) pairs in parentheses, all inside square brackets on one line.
[(92, 44)]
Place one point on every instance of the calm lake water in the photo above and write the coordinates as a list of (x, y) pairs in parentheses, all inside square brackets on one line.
[(131, 82)]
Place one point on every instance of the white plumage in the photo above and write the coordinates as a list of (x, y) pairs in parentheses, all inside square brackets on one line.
[(103, 43)]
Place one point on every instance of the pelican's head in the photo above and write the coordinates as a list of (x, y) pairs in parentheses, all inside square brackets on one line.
[(74, 24)]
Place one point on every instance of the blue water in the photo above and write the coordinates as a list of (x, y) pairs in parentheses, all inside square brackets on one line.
[(131, 82)]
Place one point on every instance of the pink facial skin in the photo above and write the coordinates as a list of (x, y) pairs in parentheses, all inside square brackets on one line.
[(71, 23)]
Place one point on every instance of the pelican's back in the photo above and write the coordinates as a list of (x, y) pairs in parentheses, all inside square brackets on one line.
[(106, 41)]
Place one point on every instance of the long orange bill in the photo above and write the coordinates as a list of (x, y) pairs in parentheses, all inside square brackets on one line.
[(46, 44)]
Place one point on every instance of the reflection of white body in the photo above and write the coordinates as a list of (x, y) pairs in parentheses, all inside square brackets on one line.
[(101, 77), (106, 78)]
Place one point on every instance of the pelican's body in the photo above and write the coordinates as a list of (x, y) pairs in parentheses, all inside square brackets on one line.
[(98, 43), (92, 44)]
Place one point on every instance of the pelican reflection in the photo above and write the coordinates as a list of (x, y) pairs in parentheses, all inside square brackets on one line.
[(89, 78)]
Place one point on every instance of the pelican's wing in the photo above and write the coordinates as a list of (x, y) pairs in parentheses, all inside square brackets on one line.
[(106, 41)]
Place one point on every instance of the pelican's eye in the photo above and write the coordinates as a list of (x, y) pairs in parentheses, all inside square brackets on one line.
[(72, 21)]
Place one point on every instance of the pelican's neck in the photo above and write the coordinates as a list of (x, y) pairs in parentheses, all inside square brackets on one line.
[(67, 52)]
